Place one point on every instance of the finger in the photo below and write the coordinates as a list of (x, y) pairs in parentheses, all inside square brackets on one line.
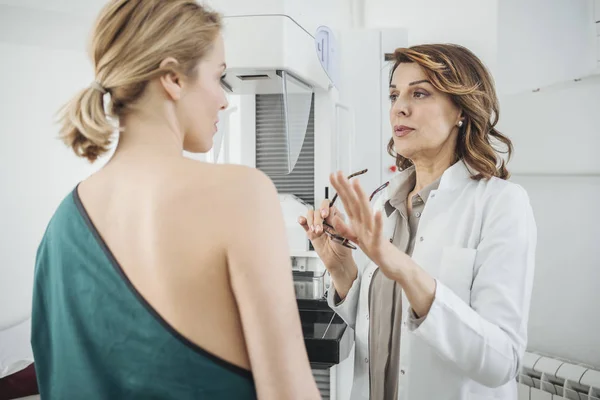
[(344, 230), (378, 224), (324, 210), (317, 222), (335, 212), (331, 213), (363, 204), (310, 217), (328, 223), (303, 223)]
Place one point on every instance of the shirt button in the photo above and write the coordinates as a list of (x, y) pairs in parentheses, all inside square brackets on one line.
[(421, 239), (418, 214), (367, 317), (366, 360), (391, 240), (402, 372), (432, 195)]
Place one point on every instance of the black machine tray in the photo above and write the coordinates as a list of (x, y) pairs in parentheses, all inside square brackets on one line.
[(325, 333)]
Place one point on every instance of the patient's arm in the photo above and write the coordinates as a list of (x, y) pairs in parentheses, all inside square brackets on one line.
[(261, 279)]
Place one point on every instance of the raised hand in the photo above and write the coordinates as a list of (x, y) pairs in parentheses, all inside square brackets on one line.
[(366, 226), (333, 255)]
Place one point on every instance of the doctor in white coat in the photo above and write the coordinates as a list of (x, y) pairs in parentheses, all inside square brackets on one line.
[(441, 311)]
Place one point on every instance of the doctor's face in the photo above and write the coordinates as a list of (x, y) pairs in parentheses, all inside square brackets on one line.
[(423, 119)]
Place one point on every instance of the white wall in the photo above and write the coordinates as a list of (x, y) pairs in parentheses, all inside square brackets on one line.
[(543, 42), (555, 130), (308, 13), (87, 9), (43, 65), (313, 13), (471, 23), (564, 320), (525, 44), (243, 7), (556, 133)]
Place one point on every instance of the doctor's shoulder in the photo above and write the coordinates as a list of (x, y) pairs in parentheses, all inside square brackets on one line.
[(507, 190), (505, 199)]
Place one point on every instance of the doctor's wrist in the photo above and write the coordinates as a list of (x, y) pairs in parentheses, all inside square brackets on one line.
[(394, 263), (343, 278)]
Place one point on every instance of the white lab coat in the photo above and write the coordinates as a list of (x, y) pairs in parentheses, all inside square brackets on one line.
[(478, 240)]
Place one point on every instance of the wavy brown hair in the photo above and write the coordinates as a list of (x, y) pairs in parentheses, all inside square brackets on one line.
[(130, 40), (455, 70)]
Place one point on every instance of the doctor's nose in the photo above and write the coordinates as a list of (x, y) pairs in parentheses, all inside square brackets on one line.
[(400, 108)]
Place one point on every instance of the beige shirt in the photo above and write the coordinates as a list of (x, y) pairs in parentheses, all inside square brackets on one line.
[(385, 295)]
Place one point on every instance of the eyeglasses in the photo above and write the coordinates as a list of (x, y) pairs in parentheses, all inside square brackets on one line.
[(330, 230)]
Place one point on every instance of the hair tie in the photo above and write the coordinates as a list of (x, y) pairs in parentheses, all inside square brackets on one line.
[(97, 86)]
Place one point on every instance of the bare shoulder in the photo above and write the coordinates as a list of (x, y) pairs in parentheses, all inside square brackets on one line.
[(228, 176), (250, 181), (219, 207), (205, 180), (238, 186), (234, 193)]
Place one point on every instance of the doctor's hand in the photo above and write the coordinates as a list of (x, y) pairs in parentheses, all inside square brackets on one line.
[(367, 227), (335, 256)]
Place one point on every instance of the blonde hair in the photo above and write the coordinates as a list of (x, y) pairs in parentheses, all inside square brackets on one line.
[(455, 70), (130, 40)]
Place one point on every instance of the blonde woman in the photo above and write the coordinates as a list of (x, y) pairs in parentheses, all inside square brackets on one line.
[(441, 311), (158, 277)]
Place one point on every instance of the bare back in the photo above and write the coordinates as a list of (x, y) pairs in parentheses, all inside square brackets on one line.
[(167, 226), (206, 247)]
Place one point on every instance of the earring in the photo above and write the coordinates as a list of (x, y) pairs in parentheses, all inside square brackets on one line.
[(460, 124)]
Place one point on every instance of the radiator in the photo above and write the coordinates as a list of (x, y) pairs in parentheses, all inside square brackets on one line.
[(546, 378)]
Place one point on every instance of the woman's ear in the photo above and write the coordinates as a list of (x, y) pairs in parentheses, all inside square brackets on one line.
[(171, 81)]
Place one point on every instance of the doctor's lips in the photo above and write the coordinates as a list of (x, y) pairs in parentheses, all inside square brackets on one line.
[(402, 130)]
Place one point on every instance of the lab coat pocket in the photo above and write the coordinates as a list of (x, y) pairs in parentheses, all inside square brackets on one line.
[(456, 270)]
